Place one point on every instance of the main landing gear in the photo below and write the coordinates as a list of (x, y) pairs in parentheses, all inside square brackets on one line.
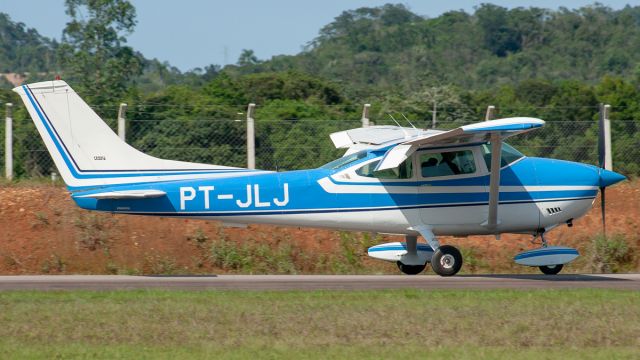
[(412, 263), (446, 260), (411, 269)]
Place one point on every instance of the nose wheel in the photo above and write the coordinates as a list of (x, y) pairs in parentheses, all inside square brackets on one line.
[(551, 269), (446, 261)]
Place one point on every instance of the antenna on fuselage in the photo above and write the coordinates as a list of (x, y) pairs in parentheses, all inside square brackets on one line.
[(394, 120), (410, 123), (406, 134)]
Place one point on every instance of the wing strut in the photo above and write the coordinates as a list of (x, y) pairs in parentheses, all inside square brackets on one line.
[(494, 181)]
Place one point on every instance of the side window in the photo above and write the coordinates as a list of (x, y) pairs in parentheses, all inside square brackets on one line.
[(404, 171), (447, 163)]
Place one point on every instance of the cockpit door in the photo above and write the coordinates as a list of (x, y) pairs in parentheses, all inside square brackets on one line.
[(452, 188), (391, 195)]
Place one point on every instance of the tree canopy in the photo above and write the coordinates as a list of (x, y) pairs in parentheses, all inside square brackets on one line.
[(389, 47), (555, 65), (23, 49), (92, 50)]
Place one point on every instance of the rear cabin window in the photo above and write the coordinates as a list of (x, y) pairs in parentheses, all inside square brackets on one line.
[(447, 163), (509, 155), (404, 171), (344, 161)]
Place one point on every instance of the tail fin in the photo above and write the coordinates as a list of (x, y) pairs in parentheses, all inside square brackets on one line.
[(87, 152)]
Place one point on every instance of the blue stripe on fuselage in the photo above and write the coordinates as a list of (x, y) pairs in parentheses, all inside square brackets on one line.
[(305, 196)]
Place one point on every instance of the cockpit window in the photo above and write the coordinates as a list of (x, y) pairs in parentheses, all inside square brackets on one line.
[(447, 163), (338, 163), (404, 171), (509, 155)]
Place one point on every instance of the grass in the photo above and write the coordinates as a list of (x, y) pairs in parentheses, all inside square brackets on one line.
[(80, 351), (538, 324), (259, 257)]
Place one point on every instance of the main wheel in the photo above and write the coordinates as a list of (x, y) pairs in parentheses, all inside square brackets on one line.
[(446, 261), (410, 269), (551, 269)]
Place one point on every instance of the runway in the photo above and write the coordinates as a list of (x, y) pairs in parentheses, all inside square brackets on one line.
[(317, 282)]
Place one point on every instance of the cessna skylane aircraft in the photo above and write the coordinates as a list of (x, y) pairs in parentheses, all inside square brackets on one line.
[(391, 180)]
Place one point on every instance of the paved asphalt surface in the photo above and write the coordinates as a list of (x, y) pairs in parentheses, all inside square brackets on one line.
[(316, 282)]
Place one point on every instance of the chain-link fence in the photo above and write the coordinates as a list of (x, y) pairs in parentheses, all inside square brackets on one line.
[(2, 140), (305, 143)]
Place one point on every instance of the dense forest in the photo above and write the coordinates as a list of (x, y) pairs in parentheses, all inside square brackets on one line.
[(393, 48), (557, 65), (23, 49)]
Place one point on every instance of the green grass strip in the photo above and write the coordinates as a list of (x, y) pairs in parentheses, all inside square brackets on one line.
[(540, 324)]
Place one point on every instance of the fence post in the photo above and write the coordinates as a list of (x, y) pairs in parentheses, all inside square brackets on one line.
[(434, 116), (608, 158), (122, 122), (8, 143), (251, 137), (365, 115), (491, 112)]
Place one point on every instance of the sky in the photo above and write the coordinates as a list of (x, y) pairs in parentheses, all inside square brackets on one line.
[(196, 33)]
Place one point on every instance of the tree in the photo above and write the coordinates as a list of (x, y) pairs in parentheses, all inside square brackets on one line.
[(23, 49), (93, 54), (247, 57), (499, 37)]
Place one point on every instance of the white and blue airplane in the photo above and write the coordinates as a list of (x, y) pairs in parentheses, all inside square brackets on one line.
[(391, 180)]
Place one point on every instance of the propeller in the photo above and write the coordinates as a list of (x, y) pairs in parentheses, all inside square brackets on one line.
[(601, 162)]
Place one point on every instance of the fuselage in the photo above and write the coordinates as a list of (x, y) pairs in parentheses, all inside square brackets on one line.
[(535, 194)]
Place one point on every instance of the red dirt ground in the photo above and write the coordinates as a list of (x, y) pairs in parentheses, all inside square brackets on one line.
[(42, 231)]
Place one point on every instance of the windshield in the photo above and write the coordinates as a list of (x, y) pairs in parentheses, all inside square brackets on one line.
[(509, 155), (403, 171), (343, 161)]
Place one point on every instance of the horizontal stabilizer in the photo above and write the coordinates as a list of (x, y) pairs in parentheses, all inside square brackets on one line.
[(126, 194)]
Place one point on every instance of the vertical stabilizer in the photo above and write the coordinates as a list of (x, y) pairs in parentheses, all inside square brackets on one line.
[(85, 149)]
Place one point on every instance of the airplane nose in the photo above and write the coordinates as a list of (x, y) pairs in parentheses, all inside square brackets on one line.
[(608, 177)]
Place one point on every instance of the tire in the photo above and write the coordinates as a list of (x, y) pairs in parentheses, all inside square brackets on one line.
[(410, 269), (551, 270), (446, 261)]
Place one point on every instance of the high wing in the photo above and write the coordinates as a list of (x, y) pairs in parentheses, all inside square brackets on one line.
[(376, 136), (467, 134)]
